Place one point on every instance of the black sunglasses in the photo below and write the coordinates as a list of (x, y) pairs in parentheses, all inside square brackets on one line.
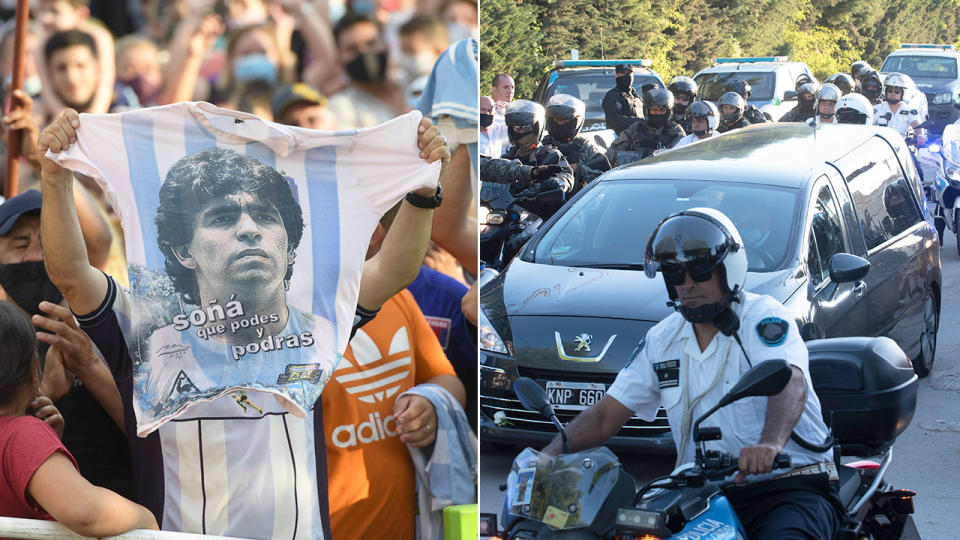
[(675, 274)]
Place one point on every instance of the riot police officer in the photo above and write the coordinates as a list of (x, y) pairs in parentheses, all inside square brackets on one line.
[(731, 107), (684, 90), (565, 115), (806, 97), (542, 190), (750, 112), (871, 86), (622, 106), (655, 131), (857, 70), (842, 81)]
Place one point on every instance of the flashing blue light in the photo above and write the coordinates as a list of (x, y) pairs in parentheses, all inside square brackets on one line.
[(750, 59), (644, 62), (934, 148), (926, 46)]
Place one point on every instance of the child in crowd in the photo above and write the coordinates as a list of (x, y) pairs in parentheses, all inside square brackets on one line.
[(38, 476)]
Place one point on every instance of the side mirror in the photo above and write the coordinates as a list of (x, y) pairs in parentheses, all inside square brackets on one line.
[(847, 268), (532, 396), (767, 378), (789, 95)]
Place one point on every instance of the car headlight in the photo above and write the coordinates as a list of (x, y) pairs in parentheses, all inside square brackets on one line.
[(942, 98), (489, 338)]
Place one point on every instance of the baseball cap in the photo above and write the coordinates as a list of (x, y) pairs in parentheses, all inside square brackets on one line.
[(289, 94), (14, 207), (623, 68)]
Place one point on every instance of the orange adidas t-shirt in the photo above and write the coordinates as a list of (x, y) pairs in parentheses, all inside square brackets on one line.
[(371, 480)]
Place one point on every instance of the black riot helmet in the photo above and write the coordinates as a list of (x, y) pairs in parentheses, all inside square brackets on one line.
[(858, 69), (525, 122), (802, 79), (696, 242), (807, 95), (657, 97), (871, 85), (682, 86), (564, 117), (842, 81), (739, 86), (736, 100)]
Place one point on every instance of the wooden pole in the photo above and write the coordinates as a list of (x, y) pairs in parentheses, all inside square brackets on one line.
[(13, 137)]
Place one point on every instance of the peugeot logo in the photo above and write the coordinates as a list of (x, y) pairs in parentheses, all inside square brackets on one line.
[(583, 342)]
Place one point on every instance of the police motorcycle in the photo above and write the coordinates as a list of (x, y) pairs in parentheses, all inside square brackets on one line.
[(944, 157), (868, 395), (505, 226)]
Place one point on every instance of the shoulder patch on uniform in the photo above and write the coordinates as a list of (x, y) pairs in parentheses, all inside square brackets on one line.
[(772, 331), (913, 111)]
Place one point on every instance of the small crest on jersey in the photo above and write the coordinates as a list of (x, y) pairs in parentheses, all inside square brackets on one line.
[(441, 327), (772, 331), (300, 372), (668, 373)]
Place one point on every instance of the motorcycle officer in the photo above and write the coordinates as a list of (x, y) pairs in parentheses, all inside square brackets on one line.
[(655, 131), (689, 360), (826, 105), (750, 112), (622, 105), (897, 113), (842, 81), (871, 86), (803, 111), (854, 109), (704, 119), (857, 70), (684, 90), (565, 115), (731, 107), (539, 190)]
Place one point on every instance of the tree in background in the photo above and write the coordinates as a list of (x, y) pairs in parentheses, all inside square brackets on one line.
[(510, 38)]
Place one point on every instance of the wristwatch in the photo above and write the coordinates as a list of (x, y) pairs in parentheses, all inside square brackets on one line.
[(426, 202)]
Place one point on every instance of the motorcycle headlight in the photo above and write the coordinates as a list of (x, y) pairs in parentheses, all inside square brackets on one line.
[(942, 98), (489, 338)]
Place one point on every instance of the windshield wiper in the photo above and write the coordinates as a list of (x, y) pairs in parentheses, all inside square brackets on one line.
[(612, 266)]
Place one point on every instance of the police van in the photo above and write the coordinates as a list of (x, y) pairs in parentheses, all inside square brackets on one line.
[(772, 80), (935, 69)]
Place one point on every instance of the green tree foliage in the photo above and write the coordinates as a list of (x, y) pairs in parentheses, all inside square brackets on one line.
[(522, 37)]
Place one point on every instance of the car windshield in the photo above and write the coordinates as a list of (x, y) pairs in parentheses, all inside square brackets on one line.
[(610, 225), (591, 87), (714, 85), (922, 66)]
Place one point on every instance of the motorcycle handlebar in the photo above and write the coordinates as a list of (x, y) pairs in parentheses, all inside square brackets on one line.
[(724, 464)]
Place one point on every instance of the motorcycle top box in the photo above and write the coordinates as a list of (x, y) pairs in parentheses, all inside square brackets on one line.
[(867, 389)]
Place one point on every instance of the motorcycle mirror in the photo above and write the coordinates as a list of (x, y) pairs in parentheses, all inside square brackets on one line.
[(764, 379), (847, 268), (532, 396)]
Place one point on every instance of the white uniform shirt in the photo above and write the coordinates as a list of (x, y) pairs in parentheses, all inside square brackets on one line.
[(692, 138), (816, 121), (899, 121), (671, 371)]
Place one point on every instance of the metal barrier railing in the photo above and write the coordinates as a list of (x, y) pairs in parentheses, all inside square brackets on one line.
[(34, 529)]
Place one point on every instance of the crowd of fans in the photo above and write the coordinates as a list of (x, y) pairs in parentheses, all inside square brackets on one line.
[(316, 64)]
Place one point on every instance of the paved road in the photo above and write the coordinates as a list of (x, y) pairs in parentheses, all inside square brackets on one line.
[(926, 456)]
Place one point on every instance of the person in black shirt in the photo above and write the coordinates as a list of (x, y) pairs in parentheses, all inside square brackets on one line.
[(622, 106), (655, 131)]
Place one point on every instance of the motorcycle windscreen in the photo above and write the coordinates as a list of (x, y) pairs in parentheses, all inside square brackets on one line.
[(564, 492)]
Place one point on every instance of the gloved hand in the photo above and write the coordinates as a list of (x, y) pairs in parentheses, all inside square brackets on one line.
[(545, 171)]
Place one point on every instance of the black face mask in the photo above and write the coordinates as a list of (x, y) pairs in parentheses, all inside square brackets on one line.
[(562, 132), (806, 104), (732, 118), (656, 121), (624, 82), (486, 120), (679, 109), (28, 285), (893, 101), (871, 94), (701, 133), (368, 67)]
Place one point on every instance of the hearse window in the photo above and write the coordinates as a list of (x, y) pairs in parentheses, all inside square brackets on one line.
[(826, 229)]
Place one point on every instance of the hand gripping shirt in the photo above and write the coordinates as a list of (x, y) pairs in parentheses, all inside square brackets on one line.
[(245, 243), (670, 370)]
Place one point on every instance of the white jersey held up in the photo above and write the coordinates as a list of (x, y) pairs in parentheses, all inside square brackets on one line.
[(329, 189)]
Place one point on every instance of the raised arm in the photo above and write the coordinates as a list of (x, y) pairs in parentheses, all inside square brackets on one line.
[(64, 250), (396, 264), (454, 229)]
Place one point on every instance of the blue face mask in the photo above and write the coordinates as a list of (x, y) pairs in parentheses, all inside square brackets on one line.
[(254, 66)]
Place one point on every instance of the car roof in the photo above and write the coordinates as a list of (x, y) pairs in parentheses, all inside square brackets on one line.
[(924, 52), (600, 69), (780, 154), (747, 66)]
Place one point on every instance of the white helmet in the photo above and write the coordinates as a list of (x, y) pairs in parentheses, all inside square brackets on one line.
[(827, 92), (705, 109), (897, 80), (697, 240), (854, 109)]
